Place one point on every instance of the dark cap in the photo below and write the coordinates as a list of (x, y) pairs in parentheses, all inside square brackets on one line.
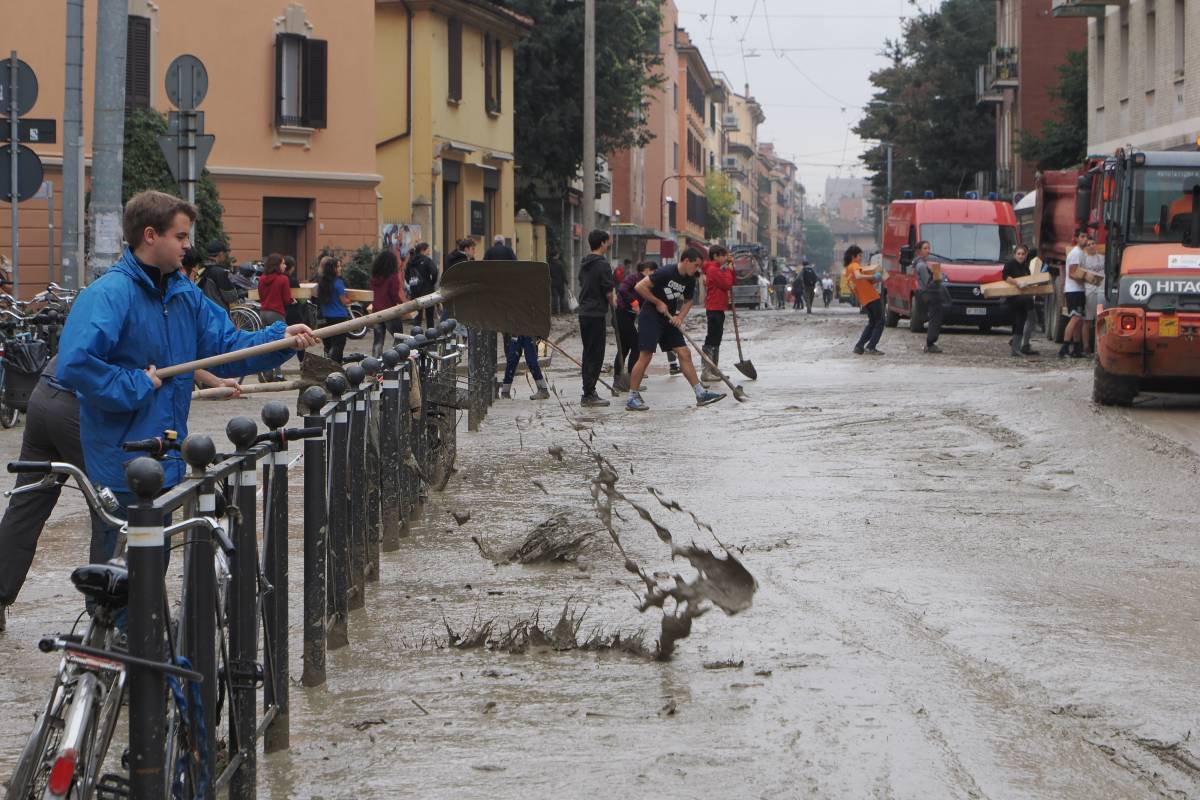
[(217, 246)]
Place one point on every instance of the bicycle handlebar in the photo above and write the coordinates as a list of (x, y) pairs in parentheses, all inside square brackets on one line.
[(70, 470), (156, 447), (24, 467)]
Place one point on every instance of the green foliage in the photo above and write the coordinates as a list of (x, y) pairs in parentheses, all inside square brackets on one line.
[(144, 167), (818, 244), (721, 201), (1063, 141), (356, 264), (925, 102), (548, 107)]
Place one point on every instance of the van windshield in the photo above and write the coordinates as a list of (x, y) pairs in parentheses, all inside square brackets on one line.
[(970, 242)]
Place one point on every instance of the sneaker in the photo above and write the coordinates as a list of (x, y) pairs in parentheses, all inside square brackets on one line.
[(871, 351), (593, 400), (636, 403), (1029, 351), (706, 397), (858, 351), (931, 348), (542, 394), (676, 369), (506, 391)]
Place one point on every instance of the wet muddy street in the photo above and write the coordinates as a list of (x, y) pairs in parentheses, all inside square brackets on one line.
[(971, 583)]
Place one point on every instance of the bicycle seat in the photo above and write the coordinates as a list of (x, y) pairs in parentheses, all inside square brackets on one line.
[(105, 585)]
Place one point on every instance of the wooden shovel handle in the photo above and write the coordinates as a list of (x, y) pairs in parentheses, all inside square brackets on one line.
[(336, 329), (221, 392)]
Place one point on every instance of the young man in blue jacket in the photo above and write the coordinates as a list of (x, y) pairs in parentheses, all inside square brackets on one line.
[(143, 314)]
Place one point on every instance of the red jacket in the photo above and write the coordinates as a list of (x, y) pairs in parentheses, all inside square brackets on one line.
[(388, 292), (274, 293), (717, 283)]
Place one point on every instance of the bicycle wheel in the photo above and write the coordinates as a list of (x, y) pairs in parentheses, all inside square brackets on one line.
[(359, 333), (245, 318), (33, 768), (8, 414)]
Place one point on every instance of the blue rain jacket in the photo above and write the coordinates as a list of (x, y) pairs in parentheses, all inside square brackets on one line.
[(119, 326)]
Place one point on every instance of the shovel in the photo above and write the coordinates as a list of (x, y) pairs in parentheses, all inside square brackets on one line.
[(739, 393), (574, 361), (743, 366), (620, 376), (512, 296)]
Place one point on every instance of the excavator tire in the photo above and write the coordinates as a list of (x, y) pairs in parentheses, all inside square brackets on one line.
[(1113, 390)]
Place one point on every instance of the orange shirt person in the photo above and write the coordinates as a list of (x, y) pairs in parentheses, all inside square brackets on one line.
[(863, 281)]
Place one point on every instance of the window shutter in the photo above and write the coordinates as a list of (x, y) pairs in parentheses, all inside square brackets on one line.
[(489, 75), (137, 63), (315, 76), (278, 79), (454, 49), (499, 73)]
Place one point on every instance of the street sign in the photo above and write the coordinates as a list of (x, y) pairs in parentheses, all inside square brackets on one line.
[(176, 154), (187, 83), (27, 87), (29, 173), (33, 131)]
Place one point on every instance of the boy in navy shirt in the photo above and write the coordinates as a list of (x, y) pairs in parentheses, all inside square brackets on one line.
[(666, 300)]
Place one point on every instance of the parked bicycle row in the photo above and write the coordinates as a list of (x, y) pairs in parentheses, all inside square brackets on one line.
[(213, 643)]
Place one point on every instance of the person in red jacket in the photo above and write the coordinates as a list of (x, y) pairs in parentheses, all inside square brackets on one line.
[(718, 282), (388, 292)]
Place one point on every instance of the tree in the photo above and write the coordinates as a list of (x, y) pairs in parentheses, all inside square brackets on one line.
[(1063, 141), (144, 167), (925, 104), (818, 244), (720, 200), (548, 106)]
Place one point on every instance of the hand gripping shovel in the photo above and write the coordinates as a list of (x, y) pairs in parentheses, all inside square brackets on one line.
[(739, 393), (313, 372), (743, 366), (511, 296)]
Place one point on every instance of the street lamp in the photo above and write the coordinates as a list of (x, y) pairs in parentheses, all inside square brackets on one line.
[(617, 234), (662, 200)]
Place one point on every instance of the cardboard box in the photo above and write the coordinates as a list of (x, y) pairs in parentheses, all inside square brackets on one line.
[(1006, 289)]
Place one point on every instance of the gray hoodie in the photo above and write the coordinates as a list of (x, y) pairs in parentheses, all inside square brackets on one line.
[(925, 280)]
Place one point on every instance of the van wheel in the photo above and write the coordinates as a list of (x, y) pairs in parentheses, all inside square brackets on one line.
[(916, 321), (1113, 390), (890, 318)]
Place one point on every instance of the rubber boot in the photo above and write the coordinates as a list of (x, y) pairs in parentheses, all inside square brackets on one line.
[(543, 391)]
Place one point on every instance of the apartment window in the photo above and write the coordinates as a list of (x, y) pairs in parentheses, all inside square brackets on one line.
[(301, 81), (1123, 69), (675, 156), (695, 95), (491, 73), (137, 63), (1180, 37), (1151, 47), (675, 96), (712, 117), (697, 208), (454, 53), (1101, 62)]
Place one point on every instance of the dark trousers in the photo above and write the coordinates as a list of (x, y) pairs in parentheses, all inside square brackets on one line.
[(809, 291), (594, 333), (381, 332), (716, 328), (1023, 318), (513, 349), (874, 329), (935, 312), (558, 300), (51, 434), (627, 334), (335, 346)]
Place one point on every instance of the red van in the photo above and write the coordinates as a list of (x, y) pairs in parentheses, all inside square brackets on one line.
[(971, 239)]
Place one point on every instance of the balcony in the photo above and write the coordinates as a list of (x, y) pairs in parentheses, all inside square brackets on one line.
[(999, 73), (1083, 8)]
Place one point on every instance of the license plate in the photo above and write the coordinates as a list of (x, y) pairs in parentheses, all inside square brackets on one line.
[(976, 312), (1168, 327)]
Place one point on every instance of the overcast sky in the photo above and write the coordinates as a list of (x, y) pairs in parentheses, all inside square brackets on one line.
[(808, 63)]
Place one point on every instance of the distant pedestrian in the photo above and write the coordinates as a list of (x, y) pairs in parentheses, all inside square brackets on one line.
[(1021, 306), (827, 290), (499, 251), (628, 303), (214, 278), (1093, 292), (387, 293), (464, 250), (558, 285), (798, 292), (620, 271), (931, 290), (596, 297), (779, 285), (809, 278), (421, 277), (718, 283), (1075, 297), (514, 348), (274, 292), (862, 282), (331, 294), (666, 300)]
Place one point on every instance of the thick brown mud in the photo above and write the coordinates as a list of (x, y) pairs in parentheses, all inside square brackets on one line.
[(970, 583)]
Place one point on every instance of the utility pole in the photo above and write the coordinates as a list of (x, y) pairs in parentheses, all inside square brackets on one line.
[(888, 198), (589, 121), (72, 201), (108, 133)]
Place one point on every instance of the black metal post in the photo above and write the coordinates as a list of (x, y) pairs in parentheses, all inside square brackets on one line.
[(404, 455), (200, 615), (243, 615), (338, 529), (389, 450), (474, 379), (316, 512), (372, 366), (145, 559), (358, 504), (275, 562)]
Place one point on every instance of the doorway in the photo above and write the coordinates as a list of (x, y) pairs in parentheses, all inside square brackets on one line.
[(285, 228)]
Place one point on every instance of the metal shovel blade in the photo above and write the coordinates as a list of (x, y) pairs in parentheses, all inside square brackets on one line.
[(747, 369), (507, 296)]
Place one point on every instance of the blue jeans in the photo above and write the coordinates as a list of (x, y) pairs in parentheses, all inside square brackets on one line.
[(874, 329), (513, 349)]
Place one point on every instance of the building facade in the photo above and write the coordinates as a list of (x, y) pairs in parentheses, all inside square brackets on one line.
[(443, 133), (696, 98), (1031, 44), (289, 101), (1144, 75), (741, 164)]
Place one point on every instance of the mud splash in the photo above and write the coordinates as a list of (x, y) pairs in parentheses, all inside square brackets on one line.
[(525, 635), (553, 540)]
